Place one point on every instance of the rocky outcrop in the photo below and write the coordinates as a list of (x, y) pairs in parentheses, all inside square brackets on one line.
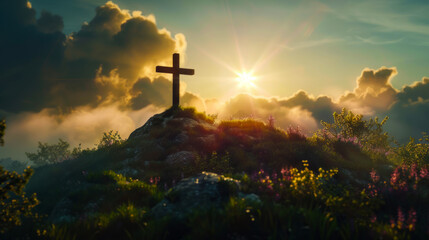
[(199, 192), (181, 158), (168, 135)]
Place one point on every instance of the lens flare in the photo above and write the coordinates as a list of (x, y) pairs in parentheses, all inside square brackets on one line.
[(245, 79)]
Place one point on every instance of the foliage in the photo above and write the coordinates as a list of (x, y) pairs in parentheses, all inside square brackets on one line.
[(190, 112), (306, 188), (14, 203), (247, 125), (59, 152), (2, 129), (352, 127), (411, 153), (334, 195), (48, 154), (214, 163), (405, 193), (109, 189), (295, 134), (110, 138)]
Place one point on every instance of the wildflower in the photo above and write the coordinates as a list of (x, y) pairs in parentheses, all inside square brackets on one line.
[(412, 219), (374, 176), (401, 218), (394, 177), (373, 218), (392, 223), (424, 173)]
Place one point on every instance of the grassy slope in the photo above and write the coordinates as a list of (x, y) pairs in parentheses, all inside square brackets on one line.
[(242, 146)]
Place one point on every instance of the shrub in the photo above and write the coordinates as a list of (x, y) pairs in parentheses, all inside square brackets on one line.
[(14, 203), (214, 163), (352, 128), (411, 153), (109, 139), (48, 154)]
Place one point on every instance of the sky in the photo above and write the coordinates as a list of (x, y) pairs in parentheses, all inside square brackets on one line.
[(74, 69)]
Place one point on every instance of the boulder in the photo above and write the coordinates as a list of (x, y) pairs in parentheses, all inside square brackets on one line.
[(180, 159), (199, 192)]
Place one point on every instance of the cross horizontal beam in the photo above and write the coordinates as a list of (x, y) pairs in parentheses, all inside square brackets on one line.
[(183, 71)]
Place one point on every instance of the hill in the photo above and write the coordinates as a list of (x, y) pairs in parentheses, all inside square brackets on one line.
[(182, 175)]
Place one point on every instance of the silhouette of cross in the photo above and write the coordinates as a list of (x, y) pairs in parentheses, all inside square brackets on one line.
[(176, 71)]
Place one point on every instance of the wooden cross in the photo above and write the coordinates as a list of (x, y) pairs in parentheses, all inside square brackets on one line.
[(176, 71)]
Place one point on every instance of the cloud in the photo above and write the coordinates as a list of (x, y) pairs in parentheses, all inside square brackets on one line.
[(374, 92), (41, 67), (374, 95), (408, 116), (83, 125), (284, 112), (301, 109), (76, 87)]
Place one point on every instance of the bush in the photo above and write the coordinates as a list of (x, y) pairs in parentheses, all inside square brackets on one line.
[(14, 203), (411, 153), (352, 128), (48, 154), (109, 139)]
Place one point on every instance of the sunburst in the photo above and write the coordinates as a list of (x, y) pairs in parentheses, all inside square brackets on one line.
[(245, 79)]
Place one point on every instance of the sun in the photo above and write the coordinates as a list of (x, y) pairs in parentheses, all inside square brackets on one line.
[(245, 79)]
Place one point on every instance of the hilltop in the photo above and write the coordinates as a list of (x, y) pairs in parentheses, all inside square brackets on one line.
[(184, 174)]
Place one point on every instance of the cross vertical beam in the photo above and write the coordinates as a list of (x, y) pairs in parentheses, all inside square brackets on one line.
[(176, 71), (176, 80)]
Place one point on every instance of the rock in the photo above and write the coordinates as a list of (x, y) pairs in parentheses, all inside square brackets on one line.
[(181, 138), (170, 130), (181, 158), (250, 197), (202, 191), (208, 141)]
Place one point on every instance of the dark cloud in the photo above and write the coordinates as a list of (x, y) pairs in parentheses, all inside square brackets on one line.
[(100, 64), (415, 92), (321, 107), (28, 57), (157, 92), (50, 23), (408, 116)]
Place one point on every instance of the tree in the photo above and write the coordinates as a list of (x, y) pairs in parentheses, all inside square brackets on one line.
[(47, 154), (13, 202), (110, 138), (2, 129)]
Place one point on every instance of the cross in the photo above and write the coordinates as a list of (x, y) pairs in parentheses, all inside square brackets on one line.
[(176, 71)]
